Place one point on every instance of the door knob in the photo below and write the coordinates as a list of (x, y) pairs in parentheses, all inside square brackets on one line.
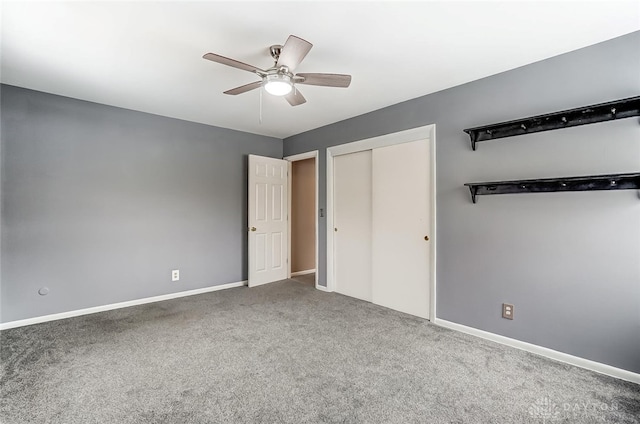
[(426, 238), (253, 228), (335, 229)]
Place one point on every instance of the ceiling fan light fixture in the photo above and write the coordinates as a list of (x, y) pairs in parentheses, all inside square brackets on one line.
[(279, 80), (278, 84)]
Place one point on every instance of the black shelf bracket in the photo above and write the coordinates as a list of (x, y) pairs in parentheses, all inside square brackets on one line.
[(547, 185), (619, 109)]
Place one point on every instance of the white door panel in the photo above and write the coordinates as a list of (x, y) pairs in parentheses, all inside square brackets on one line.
[(352, 220), (268, 249), (400, 253)]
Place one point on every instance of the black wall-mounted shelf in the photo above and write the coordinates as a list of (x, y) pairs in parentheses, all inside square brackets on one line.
[(625, 108), (593, 182)]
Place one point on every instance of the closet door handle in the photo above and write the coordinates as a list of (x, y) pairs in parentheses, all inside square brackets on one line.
[(253, 228), (426, 238)]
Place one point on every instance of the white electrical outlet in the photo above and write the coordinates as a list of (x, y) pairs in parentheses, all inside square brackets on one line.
[(507, 311), (175, 275)]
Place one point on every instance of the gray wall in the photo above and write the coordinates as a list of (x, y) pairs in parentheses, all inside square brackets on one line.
[(570, 262), (100, 203)]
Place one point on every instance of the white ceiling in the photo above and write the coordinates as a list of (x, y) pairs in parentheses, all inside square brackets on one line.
[(147, 56)]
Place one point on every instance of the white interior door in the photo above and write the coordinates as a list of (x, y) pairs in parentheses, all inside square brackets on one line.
[(401, 222), (352, 222), (268, 238)]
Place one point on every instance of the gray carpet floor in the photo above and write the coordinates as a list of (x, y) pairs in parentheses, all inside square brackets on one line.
[(286, 353)]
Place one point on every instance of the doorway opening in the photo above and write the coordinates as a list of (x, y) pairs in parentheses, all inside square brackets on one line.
[(303, 217)]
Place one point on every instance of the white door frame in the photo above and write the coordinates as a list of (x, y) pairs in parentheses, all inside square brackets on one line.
[(427, 132), (294, 158)]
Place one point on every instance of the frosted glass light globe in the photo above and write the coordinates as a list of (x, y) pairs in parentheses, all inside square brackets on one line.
[(278, 85)]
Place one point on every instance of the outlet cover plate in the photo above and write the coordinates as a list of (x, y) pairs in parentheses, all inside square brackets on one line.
[(175, 275), (507, 311)]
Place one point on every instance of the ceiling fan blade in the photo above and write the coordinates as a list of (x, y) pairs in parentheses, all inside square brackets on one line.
[(244, 88), (325, 80), (295, 97), (293, 51), (232, 62)]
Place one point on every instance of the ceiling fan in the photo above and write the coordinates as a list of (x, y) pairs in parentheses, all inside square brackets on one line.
[(280, 80)]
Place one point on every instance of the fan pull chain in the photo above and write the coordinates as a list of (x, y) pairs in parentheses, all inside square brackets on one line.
[(260, 105)]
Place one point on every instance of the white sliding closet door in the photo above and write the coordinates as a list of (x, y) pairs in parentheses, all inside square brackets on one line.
[(401, 222), (352, 224)]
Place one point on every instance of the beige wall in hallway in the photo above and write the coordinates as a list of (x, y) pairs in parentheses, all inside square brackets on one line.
[(303, 210)]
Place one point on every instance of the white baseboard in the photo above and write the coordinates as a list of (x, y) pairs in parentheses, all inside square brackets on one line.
[(543, 351), (322, 288), (308, 271), (103, 308)]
